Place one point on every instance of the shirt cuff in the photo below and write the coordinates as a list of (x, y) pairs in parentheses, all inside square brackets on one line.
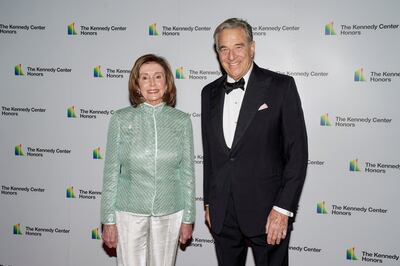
[(283, 211)]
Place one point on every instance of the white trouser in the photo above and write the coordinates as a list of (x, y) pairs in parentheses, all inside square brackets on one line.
[(147, 240)]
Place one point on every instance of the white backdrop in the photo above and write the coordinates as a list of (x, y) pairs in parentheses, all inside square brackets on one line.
[(51, 181)]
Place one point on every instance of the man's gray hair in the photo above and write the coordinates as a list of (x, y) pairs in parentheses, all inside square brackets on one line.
[(233, 23)]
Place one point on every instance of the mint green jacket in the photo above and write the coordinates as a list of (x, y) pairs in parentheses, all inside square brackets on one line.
[(149, 163)]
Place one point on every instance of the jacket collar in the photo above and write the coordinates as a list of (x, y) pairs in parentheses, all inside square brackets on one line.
[(151, 109)]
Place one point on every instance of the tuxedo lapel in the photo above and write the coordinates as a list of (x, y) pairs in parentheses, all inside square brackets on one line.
[(253, 99), (217, 107)]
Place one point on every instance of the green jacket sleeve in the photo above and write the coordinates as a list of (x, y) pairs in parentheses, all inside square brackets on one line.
[(187, 174), (111, 172)]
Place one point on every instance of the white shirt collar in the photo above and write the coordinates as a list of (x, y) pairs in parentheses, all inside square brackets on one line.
[(154, 106)]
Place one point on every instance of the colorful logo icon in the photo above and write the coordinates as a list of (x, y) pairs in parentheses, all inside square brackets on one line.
[(359, 75), (17, 229), (19, 151), (354, 166), (71, 112), (180, 73), (325, 120), (70, 192), (351, 254), (321, 209), (18, 70), (97, 154), (329, 29), (153, 30), (95, 234), (97, 72), (71, 29)]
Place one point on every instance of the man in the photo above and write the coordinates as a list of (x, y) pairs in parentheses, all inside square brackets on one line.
[(255, 153)]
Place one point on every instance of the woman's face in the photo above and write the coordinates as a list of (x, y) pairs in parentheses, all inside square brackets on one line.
[(152, 82)]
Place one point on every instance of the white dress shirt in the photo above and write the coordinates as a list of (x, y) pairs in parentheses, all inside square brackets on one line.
[(232, 104)]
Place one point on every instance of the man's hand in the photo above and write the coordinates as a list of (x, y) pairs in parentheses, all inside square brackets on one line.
[(185, 233), (276, 227), (207, 216), (110, 235)]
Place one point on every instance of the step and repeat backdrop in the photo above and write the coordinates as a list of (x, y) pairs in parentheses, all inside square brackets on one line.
[(64, 70)]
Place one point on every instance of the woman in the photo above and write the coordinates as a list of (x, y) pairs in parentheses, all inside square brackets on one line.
[(148, 197)]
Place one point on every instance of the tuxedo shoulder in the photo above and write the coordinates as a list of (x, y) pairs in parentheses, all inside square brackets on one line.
[(213, 84), (276, 75)]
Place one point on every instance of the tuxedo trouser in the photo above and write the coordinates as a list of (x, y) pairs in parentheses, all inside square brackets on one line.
[(147, 240), (231, 244)]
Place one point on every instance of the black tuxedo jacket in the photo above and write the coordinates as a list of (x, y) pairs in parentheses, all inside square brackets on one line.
[(266, 165)]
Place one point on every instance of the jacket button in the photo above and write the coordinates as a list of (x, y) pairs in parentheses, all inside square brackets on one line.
[(232, 159)]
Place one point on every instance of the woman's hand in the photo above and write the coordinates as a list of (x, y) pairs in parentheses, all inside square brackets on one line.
[(185, 233), (110, 235)]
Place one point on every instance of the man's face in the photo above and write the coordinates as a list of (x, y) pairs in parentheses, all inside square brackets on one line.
[(235, 52)]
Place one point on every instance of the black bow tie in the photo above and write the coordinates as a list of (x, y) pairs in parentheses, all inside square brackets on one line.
[(232, 86)]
